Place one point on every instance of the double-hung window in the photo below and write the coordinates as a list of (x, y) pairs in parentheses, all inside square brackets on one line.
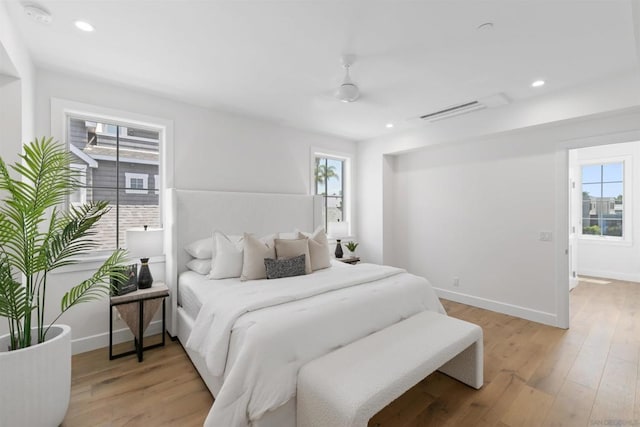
[(603, 200), (117, 163)]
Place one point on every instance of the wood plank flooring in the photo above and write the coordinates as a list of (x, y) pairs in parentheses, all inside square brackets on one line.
[(535, 375)]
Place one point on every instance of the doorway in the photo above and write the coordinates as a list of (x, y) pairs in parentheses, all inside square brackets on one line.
[(601, 215)]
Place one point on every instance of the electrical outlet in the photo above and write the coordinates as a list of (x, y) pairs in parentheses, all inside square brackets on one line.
[(456, 282)]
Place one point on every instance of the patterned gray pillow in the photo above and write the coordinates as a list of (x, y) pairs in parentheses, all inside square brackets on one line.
[(286, 267)]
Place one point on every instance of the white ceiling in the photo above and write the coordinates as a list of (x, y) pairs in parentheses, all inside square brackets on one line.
[(281, 59)]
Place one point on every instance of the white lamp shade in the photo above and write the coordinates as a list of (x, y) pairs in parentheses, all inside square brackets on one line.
[(338, 230), (143, 243)]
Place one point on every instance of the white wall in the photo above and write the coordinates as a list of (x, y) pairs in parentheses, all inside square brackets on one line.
[(474, 211), (10, 118), (212, 150), (613, 259), (16, 62), (17, 82), (521, 151), (614, 94)]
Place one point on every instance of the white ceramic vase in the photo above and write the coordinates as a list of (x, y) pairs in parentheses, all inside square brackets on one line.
[(36, 381)]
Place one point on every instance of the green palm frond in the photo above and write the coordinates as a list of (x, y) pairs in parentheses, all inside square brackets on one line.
[(73, 236), (37, 237), (12, 294), (97, 285)]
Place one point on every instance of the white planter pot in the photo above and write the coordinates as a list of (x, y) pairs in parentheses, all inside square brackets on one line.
[(36, 381)]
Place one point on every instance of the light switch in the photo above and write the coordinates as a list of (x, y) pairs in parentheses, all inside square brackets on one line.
[(546, 236)]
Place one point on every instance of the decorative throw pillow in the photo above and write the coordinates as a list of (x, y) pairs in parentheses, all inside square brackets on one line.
[(287, 267), (318, 249), (288, 235), (255, 251), (201, 249), (228, 260), (289, 248), (200, 266)]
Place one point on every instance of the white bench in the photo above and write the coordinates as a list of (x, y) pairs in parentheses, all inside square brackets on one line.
[(350, 385)]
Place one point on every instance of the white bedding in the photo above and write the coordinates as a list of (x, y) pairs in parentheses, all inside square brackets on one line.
[(278, 325), (196, 288)]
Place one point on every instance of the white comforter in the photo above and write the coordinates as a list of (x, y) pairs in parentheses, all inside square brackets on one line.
[(279, 325)]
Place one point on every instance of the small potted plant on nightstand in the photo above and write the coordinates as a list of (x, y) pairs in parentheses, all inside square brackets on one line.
[(351, 247), (37, 237)]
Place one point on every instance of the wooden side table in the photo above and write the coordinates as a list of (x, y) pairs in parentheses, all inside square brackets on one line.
[(353, 260), (137, 309)]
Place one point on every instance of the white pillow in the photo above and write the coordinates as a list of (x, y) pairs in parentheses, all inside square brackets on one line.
[(201, 249), (228, 260), (290, 248), (318, 249), (255, 251), (287, 235), (200, 266)]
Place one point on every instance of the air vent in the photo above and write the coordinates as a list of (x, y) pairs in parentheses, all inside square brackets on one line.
[(455, 110), (490, 101)]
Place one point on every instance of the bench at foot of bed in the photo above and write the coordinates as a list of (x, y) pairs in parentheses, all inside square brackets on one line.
[(348, 386)]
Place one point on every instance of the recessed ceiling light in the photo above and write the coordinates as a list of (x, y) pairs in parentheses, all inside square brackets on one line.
[(389, 125), (487, 26), (537, 83), (84, 26)]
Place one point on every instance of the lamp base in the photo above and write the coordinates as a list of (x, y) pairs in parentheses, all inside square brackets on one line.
[(145, 280), (338, 252)]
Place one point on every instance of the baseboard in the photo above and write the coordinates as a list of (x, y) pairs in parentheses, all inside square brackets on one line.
[(573, 282), (94, 342), (627, 277), (500, 307)]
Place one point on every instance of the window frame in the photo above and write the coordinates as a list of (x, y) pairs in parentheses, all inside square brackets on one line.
[(63, 109), (145, 183), (627, 197), (82, 174), (347, 198)]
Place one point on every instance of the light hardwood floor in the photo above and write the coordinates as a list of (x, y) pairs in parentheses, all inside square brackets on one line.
[(535, 375)]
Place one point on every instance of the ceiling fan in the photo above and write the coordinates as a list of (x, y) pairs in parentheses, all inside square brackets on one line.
[(348, 90)]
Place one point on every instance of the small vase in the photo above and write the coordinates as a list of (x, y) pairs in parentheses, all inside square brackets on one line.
[(338, 252), (145, 280)]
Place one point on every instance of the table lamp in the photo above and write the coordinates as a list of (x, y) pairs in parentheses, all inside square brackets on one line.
[(338, 230), (145, 243)]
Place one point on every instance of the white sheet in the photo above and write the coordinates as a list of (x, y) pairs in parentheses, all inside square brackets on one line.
[(279, 325), (196, 288)]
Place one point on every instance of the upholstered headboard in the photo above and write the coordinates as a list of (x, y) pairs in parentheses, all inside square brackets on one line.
[(195, 214)]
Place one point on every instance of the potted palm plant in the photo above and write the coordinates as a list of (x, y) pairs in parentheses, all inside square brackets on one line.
[(37, 237)]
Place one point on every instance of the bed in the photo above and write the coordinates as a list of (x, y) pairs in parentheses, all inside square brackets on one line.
[(249, 339)]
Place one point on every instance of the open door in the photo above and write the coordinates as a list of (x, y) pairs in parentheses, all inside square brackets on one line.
[(575, 217)]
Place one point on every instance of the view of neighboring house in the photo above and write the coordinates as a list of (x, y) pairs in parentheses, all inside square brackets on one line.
[(602, 215), (120, 165)]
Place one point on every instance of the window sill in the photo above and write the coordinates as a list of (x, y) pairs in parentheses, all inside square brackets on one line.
[(93, 262), (607, 242)]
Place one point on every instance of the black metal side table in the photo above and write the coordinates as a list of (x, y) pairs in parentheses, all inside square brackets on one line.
[(137, 309)]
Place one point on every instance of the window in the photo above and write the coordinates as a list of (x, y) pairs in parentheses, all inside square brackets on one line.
[(116, 167), (602, 200), (136, 183), (79, 197), (329, 174)]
